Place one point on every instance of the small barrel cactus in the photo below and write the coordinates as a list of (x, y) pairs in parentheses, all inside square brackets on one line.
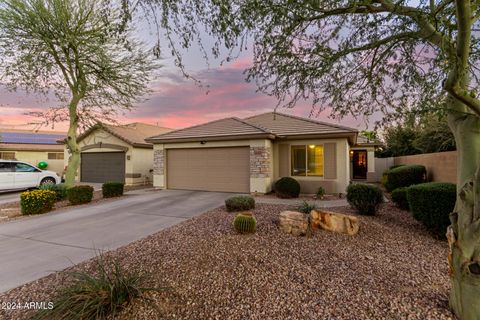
[(245, 222)]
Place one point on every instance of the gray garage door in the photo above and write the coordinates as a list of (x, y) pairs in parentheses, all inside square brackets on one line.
[(209, 169), (102, 167)]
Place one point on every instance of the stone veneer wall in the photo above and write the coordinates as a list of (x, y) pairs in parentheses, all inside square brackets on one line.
[(260, 161), (158, 162)]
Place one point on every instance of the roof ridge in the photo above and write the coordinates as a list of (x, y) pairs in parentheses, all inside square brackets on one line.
[(194, 126), (254, 125), (306, 119)]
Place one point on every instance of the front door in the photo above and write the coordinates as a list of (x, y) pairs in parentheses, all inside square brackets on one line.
[(359, 160)]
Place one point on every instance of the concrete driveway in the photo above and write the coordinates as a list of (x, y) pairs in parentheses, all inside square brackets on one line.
[(35, 247)]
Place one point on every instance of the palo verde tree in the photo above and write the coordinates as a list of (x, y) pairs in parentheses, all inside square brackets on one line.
[(80, 51), (360, 57)]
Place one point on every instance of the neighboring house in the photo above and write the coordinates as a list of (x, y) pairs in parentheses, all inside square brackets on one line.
[(249, 155), (33, 147), (117, 153)]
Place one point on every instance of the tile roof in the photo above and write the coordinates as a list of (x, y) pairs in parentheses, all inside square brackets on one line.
[(219, 128), (132, 133), (287, 125), (31, 147), (269, 125)]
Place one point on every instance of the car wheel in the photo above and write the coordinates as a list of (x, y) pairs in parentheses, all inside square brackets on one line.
[(47, 181)]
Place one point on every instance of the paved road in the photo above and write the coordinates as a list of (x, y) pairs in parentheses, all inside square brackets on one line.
[(8, 197), (35, 247)]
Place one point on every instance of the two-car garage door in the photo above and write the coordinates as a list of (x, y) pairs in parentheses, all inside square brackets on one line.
[(209, 169)]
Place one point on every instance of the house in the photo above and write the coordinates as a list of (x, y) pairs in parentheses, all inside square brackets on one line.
[(33, 146), (117, 153), (249, 155)]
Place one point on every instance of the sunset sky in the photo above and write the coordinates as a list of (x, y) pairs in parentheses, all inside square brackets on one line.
[(177, 102)]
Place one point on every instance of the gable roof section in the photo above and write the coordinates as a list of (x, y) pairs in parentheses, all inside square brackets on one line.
[(132, 133), (222, 129), (267, 125)]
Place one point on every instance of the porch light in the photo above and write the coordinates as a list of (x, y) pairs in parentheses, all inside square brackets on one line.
[(312, 146)]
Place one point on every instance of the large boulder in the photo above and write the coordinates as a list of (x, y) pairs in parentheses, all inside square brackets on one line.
[(294, 222), (335, 222)]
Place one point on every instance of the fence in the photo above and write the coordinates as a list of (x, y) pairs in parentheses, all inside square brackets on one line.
[(441, 166)]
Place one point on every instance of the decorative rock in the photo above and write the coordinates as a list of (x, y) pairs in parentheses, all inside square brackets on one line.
[(335, 222), (293, 222)]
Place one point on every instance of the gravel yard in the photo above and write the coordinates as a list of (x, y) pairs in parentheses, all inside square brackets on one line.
[(393, 269)]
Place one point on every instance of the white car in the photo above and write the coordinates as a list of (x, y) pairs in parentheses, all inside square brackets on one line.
[(18, 175)]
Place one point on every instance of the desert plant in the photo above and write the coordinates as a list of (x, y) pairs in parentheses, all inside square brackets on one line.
[(37, 201), (365, 198), (97, 295), (245, 222), (306, 207), (80, 194), (287, 187), (240, 203), (431, 204), (59, 189), (405, 176), (320, 192), (112, 189), (399, 197)]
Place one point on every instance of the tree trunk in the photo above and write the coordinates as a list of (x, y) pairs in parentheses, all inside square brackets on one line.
[(72, 145), (464, 233)]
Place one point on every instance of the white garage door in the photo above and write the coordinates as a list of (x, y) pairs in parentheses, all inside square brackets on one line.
[(209, 169)]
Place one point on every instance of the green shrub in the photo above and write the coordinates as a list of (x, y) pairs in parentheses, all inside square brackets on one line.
[(396, 166), (59, 189), (245, 222), (431, 203), (306, 207), (399, 197), (320, 192), (80, 194), (99, 295), (240, 203), (112, 189), (37, 201), (287, 187), (365, 198), (405, 176)]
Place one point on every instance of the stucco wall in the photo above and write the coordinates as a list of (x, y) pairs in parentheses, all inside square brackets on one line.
[(311, 184), (441, 166), (34, 157)]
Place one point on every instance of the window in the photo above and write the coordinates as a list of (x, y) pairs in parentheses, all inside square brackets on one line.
[(7, 155), (307, 160), (55, 156), (23, 167), (6, 167)]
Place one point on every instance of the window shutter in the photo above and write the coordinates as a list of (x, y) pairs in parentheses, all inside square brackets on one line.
[(330, 160), (284, 160)]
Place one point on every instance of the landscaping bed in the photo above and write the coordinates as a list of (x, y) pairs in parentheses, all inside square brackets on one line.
[(393, 269)]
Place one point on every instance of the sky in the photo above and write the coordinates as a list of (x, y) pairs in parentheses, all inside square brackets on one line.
[(176, 102)]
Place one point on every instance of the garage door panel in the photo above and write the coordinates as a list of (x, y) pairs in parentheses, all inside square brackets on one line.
[(102, 167), (209, 169)]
